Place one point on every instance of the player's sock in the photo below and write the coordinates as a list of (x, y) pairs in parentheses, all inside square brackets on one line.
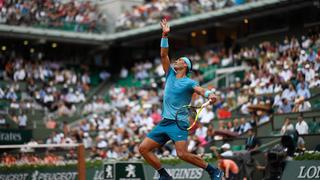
[(163, 172), (210, 169)]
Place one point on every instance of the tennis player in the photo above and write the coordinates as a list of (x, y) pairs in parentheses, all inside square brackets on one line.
[(178, 91)]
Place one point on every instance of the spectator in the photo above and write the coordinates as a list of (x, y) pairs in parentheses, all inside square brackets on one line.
[(244, 108), (303, 55), (87, 140), (301, 144), (301, 126), (244, 126), (253, 120), (263, 118), (155, 115), (3, 121), (19, 75), (229, 126), (289, 93), (226, 152), (11, 95), (57, 137), (224, 112), (2, 94), (101, 143), (236, 126), (51, 124), (22, 119), (301, 105), (201, 131), (50, 159), (313, 84), (8, 159), (304, 92), (287, 126), (286, 73), (104, 75), (206, 115), (85, 79), (243, 97), (210, 133), (252, 142), (309, 72), (85, 126), (124, 73), (71, 155), (229, 167), (285, 106)]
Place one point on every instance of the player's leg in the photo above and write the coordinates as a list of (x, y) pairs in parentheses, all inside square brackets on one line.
[(146, 148), (180, 138), (184, 154), (155, 139)]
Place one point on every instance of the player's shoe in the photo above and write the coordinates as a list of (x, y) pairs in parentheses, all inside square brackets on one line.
[(217, 174), (165, 178)]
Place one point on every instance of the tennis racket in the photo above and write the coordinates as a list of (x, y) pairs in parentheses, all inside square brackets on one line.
[(187, 116)]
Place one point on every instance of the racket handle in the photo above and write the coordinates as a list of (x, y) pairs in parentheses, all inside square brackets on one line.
[(206, 103)]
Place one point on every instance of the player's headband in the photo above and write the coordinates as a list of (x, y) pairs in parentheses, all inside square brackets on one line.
[(188, 62)]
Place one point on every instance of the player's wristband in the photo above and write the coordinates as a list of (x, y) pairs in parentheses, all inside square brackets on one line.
[(207, 93), (164, 35), (164, 43)]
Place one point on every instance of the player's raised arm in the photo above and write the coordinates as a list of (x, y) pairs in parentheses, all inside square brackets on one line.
[(164, 52)]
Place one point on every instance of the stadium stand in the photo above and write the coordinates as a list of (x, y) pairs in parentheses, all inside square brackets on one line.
[(138, 107), (276, 92), (152, 12), (62, 15)]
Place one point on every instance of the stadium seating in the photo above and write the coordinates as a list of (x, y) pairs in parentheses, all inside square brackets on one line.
[(151, 12), (121, 112), (61, 15)]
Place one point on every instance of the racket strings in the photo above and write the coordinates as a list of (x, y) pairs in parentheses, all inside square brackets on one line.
[(192, 113), (187, 117)]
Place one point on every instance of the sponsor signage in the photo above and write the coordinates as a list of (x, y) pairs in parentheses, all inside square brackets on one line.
[(302, 170), (14, 136), (53, 174), (109, 171), (183, 171), (129, 171), (139, 171)]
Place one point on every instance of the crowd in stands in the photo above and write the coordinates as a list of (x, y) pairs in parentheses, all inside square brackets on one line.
[(39, 156), (52, 87), (278, 81), (79, 16), (152, 12), (8, 159), (287, 70), (84, 16), (302, 127)]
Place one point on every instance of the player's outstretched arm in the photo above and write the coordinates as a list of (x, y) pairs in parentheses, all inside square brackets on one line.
[(164, 52), (206, 93)]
